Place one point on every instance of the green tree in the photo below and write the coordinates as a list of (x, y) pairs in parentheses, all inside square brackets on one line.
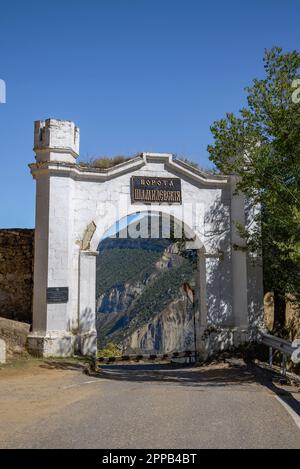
[(262, 147)]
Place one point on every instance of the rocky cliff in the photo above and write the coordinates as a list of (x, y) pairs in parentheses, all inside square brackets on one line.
[(112, 306), (118, 298), (149, 311), (170, 330)]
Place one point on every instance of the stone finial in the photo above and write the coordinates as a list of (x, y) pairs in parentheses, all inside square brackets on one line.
[(56, 140)]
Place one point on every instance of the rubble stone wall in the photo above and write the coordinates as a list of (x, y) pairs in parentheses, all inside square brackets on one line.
[(16, 274)]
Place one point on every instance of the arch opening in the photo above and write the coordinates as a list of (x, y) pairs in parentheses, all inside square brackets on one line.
[(147, 285)]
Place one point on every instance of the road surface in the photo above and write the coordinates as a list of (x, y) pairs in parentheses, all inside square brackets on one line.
[(54, 405)]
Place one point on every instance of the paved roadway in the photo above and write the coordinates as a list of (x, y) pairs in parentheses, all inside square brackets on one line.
[(144, 406)]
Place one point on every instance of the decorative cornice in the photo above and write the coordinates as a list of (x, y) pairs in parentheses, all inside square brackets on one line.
[(70, 150), (85, 172), (78, 171), (196, 174), (199, 172)]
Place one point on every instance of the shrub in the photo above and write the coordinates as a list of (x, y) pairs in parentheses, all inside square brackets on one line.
[(105, 162), (110, 350)]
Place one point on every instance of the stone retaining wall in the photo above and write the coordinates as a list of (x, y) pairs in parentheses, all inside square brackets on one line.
[(14, 333), (16, 274)]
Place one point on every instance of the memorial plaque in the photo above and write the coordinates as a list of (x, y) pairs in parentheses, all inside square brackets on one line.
[(57, 295), (155, 190)]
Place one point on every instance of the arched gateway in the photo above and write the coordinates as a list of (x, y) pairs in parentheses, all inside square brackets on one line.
[(76, 204)]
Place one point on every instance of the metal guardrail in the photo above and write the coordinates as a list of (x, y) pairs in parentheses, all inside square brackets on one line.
[(285, 347), (148, 357)]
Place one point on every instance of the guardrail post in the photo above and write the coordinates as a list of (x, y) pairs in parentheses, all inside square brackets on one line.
[(285, 347), (283, 365), (270, 357)]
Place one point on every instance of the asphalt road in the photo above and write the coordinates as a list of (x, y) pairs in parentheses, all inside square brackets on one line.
[(143, 407)]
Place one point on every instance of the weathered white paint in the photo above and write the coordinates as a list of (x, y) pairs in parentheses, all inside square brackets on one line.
[(87, 301), (72, 199), (2, 351)]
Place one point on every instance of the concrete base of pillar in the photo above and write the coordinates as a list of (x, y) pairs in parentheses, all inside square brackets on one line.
[(218, 339), (88, 343), (62, 344), (52, 344), (202, 346)]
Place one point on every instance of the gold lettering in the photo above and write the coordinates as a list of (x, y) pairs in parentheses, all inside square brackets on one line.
[(156, 190)]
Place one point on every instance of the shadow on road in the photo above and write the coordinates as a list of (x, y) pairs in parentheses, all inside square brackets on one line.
[(66, 365), (267, 378), (232, 373), (213, 375)]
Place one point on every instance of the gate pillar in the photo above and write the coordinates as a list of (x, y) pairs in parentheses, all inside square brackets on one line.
[(87, 303), (54, 308), (238, 258), (201, 304)]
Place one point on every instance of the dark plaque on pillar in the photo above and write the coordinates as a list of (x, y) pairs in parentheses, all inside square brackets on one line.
[(155, 190), (57, 295)]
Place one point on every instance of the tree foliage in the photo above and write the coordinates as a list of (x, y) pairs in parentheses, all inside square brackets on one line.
[(262, 147)]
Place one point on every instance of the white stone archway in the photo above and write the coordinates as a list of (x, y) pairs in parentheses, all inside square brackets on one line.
[(87, 272), (76, 204)]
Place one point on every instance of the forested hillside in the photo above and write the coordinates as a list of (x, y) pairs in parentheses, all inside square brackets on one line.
[(116, 266)]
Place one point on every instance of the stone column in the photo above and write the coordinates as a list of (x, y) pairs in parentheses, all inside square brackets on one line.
[(56, 144), (238, 258), (87, 303)]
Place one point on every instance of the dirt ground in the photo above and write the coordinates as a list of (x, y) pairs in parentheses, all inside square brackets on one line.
[(32, 389)]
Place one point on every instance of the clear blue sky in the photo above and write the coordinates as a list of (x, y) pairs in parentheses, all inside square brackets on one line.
[(135, 75)]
